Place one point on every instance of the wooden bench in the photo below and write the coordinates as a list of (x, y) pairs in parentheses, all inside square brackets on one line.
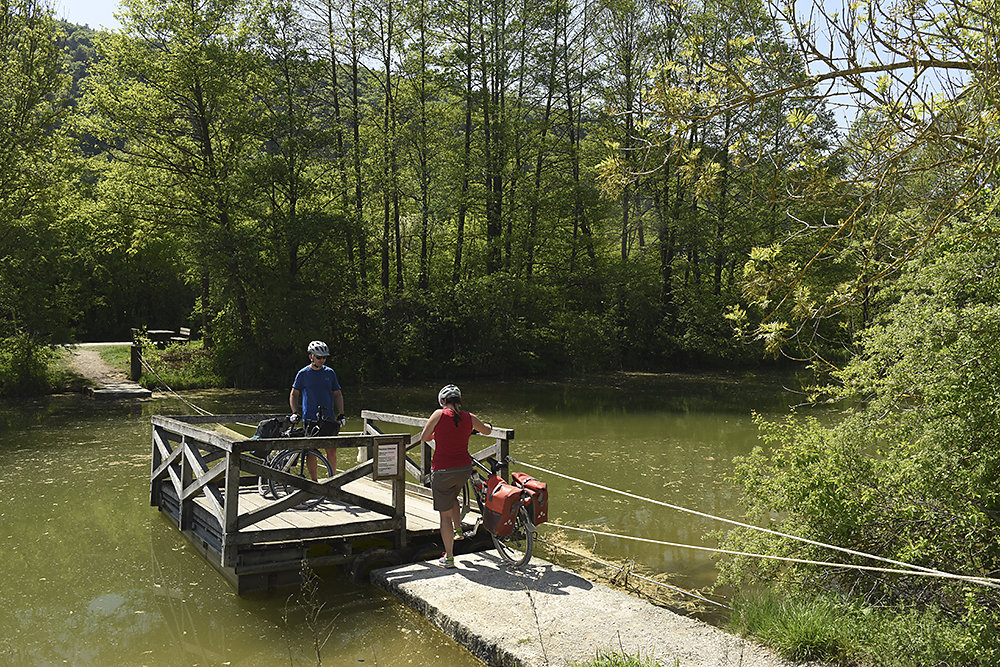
[(183, 335), (161, 337)]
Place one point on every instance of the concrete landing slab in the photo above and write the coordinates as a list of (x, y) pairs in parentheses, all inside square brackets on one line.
[(542, 614), (119, 391)]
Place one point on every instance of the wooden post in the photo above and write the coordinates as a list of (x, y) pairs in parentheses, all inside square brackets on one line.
[(230, 509), (426, 454), (399, 495), (367, 427), (185, 514), (154, 484), (135, 371), (504, 446)]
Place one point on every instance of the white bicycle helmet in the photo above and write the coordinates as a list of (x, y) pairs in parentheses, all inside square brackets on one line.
[(447, 392), (318, 348)]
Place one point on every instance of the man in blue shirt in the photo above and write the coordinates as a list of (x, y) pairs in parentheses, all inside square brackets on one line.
[(317, 390)]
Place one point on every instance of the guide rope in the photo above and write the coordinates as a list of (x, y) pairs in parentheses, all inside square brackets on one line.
[(191, 405), (985, 581), (871, 568), (633, 574)]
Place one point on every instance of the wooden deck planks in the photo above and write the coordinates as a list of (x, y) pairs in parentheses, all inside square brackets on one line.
[(420, 515)]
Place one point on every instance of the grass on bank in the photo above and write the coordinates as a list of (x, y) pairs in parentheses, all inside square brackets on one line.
[(178, 366), (612, 659), (835, 632)]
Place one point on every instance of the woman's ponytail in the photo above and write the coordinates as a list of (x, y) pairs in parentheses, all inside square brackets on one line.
[(456, 410)]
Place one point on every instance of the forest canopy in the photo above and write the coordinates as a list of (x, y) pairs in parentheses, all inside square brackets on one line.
[(488, 187)]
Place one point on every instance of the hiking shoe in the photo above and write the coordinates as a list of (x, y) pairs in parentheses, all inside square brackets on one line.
[(459, 535), (446, 561)]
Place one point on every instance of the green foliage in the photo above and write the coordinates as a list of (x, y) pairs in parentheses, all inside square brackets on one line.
[(227, 177), (180, 366), (36, 174), (909, 470), (79, 49), (835, 630), (495, 326), (24, 367), (799, 629)]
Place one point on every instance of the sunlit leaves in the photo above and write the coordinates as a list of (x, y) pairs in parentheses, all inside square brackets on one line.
[(36, 177), (799, 118), (908, 469)]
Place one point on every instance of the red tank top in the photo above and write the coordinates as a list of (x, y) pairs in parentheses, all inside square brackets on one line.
[(451, 443)]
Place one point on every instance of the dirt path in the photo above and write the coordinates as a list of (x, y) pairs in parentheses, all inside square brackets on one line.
[(86, 360)]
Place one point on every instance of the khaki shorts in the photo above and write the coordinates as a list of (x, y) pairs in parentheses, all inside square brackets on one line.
[(447, 484)]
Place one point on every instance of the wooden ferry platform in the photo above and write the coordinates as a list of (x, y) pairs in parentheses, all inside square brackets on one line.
[(204, 478)]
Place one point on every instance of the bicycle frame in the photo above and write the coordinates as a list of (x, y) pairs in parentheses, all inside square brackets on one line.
[(293, 461)]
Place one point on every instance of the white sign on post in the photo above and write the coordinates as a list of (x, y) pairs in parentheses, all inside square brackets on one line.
[(387, 461)]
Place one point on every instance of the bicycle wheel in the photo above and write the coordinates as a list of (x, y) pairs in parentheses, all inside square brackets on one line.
[(516, 548), (295, 462), (466, 499), (263, 483)]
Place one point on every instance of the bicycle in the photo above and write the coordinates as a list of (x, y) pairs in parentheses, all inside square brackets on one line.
[(294, 462), (515, 547)]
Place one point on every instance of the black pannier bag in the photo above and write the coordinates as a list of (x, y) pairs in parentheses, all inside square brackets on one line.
[(270, 428), (267, 429)]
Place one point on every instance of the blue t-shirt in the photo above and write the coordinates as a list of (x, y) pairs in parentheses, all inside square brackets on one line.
[(317, 387)]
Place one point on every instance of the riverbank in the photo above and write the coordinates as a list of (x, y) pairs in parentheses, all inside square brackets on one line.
[(188, 365), (74, 368), (87, 361)]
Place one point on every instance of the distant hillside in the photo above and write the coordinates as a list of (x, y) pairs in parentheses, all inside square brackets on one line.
[(78, 43)]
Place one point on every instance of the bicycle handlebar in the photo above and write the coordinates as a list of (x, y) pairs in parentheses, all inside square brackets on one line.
[(495, 465)]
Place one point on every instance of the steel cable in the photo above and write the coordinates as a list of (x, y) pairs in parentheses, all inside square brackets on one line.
[(911, 569)]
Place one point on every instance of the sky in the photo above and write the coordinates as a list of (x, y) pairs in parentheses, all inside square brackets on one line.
[(95, 13)]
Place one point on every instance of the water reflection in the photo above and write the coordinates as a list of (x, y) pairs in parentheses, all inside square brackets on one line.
[(93, 575)]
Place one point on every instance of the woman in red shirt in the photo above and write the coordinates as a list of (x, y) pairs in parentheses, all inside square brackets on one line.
[(451, 466)]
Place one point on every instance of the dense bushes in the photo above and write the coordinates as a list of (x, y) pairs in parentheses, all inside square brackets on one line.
[(495, 326), (181, 366), (24, 366), (909, 471)]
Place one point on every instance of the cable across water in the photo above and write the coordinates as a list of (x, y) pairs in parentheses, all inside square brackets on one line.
[(789, 559), (909, 568), (633, 574), (191, 405)]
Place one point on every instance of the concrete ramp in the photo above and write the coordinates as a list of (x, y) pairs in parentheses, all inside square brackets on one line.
[(545, 615)]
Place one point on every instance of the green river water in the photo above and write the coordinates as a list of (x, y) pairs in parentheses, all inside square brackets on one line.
[(90, 574)]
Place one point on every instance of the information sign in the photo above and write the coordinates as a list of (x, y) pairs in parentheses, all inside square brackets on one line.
[(388, 460)]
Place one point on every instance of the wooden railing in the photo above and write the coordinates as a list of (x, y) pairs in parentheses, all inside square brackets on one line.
[(202, 462), (419, 469)]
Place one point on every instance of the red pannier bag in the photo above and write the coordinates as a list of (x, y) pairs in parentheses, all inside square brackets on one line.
[(492, 481), (501, 508), (539, 493)]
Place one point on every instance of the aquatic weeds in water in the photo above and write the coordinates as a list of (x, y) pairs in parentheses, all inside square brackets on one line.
[(308, 599)]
